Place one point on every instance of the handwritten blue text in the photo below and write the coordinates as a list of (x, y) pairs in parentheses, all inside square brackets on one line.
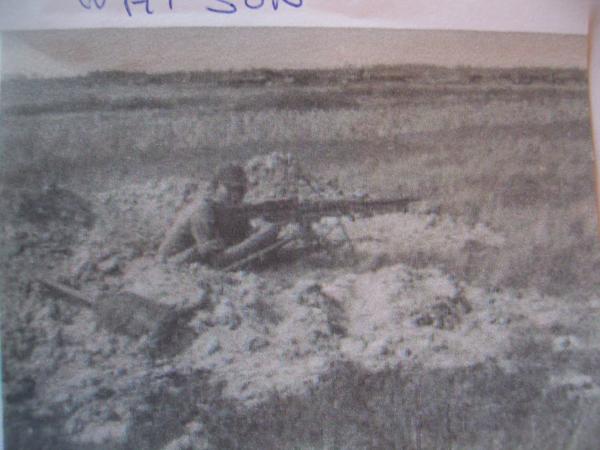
[(145, 7)]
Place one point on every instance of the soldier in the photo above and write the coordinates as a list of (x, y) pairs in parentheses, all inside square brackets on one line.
[(199, 233)]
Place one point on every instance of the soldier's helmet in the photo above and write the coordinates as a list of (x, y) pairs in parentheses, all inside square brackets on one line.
[(232, 176)]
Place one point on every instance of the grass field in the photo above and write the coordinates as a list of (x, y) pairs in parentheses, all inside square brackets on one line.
[(507, 148)]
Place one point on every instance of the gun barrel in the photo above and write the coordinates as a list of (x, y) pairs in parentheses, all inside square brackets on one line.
[(355, 206), (292, 210)]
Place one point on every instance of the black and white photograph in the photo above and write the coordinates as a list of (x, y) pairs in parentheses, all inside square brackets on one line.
[(279, 238)]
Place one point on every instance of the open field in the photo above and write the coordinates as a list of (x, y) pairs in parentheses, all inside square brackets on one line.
[(466, 322), (511, 149)]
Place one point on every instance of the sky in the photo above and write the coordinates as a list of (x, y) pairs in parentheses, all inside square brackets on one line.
[(65, 53)]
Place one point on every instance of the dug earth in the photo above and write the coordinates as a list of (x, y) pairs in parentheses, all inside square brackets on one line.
[(369, 345)]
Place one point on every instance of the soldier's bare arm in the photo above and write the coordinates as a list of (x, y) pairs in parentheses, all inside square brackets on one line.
[(204, 231), (177, 237)]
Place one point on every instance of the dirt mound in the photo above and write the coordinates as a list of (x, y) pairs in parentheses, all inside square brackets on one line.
[(47, 217), (250, 334), (280, 175), (54, 204)]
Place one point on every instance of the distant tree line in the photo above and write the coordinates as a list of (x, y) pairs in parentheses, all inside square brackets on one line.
[(404, 73)]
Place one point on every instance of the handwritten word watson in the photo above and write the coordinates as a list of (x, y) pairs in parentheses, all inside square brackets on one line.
[(132, 7)]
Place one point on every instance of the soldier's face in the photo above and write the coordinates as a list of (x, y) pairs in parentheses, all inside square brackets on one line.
[(231, 194)]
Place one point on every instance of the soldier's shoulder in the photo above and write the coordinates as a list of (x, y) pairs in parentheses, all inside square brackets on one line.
[(202, 208), (198, 203), (198, 206)]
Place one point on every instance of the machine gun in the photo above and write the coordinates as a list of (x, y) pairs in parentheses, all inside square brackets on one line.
[(305, 213), (292, 210)]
